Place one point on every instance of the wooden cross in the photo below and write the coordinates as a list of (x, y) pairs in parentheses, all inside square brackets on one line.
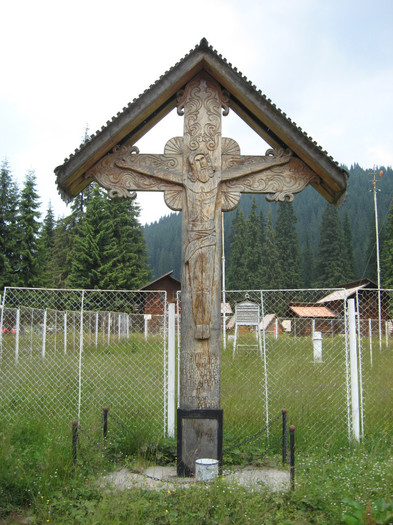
[(201, 174)]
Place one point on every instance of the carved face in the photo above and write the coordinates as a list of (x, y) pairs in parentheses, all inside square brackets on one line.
[(201, 166)]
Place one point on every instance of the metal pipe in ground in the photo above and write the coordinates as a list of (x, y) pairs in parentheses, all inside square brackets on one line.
[(105, 421), (284, 436), (74, 441), (292, 456)]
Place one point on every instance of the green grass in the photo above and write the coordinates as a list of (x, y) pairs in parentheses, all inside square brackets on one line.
[(314, 394), (111, 376), (38, 481), (37, 477)]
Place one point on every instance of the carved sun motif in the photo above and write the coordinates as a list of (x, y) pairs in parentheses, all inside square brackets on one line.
[(229, 147), (174, 146)]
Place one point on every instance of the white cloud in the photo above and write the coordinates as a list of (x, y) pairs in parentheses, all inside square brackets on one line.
[(326, 64)]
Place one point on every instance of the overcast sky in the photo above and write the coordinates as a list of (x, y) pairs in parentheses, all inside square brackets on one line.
[(327, 64)]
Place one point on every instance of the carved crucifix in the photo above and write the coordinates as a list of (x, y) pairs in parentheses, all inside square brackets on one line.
[(201, 174)]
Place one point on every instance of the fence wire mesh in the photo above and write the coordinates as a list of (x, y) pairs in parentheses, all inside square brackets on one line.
[(290, 349), (374, 333), (68, 353)]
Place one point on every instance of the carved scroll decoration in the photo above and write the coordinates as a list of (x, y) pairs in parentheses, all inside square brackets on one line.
[(280, 183), (125, 171), (202, 96)]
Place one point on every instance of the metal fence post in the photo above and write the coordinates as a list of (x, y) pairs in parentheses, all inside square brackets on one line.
[(105, 421), (17, 335), (44, 335), (74, 441), (171, 370), (65, 332), (292, 456), (354, 374), (80, 353), (284, 435)]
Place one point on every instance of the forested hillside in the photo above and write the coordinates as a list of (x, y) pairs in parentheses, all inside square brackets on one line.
[(356, 217), (102, 244), (99, 245)]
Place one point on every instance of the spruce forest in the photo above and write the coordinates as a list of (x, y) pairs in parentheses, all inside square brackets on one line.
[(101, 243), (307, 243)]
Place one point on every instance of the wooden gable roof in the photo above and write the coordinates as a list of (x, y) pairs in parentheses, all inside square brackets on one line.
[(345, 291), (312, 311), (162, 281), (246, 100)]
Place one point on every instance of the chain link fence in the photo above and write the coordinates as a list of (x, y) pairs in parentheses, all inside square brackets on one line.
[(67, 353), (291, 349), (374, 329)]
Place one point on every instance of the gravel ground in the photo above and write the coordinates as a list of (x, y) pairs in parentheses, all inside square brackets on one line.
[(159, 478)]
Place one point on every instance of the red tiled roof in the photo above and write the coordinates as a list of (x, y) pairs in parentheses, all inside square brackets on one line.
[(312, 311)]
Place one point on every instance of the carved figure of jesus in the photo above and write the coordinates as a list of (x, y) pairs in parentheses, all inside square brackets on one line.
[(201, 195)]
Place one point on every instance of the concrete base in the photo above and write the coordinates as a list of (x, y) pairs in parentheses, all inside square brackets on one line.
[(165, 478)]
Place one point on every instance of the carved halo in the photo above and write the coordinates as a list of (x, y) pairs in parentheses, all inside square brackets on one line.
[(229, 147)]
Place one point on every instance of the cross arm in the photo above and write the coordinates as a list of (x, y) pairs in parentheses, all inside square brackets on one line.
[(234, 166), (279, 183), (125, 171)]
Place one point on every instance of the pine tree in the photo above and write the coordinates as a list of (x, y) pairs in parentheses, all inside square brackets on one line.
[(252, 250), (272, 267), (125, 259), (62, 252), (108, 249), (348, 256), (236, 274), (9, 205), (308, 265), (387, 252), (163, 240), (330, 267), (288, 245), (262, 239), (90, 243), (370, 258), (28, 231), (46, 247)]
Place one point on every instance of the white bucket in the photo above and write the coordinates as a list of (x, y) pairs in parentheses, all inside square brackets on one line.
[(206, 469)]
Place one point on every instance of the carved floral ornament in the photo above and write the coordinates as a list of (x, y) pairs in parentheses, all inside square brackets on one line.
[(125, 171)]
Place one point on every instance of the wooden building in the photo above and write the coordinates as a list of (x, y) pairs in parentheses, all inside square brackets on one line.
[(309, 317), (154, 303), (368, 302)]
